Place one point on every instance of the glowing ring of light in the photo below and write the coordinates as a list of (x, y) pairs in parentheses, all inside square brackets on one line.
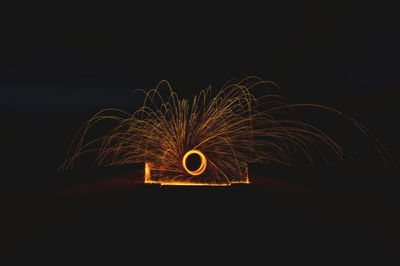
[(202, 166)]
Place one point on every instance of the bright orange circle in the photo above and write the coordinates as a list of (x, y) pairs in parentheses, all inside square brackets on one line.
[(202, 166)]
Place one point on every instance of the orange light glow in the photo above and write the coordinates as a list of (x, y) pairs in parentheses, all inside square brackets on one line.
[(202, 166), (228, 130), (168, 181), (146, 173), (191, 184)]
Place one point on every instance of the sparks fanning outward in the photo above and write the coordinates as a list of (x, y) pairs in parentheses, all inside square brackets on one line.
[(226, 131)]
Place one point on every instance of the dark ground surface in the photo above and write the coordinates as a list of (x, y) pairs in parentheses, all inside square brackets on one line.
[(324, 215)]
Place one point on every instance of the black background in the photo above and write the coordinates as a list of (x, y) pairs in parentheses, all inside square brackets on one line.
[(59, 65)]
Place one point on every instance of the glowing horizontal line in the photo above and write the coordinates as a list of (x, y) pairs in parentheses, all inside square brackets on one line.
[(240, 182), (190, 184), (195, 184)]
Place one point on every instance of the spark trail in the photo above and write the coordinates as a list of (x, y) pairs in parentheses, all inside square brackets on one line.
[(228, 131)]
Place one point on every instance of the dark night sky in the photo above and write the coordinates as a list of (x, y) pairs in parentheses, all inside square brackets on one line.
[(58, 68)]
